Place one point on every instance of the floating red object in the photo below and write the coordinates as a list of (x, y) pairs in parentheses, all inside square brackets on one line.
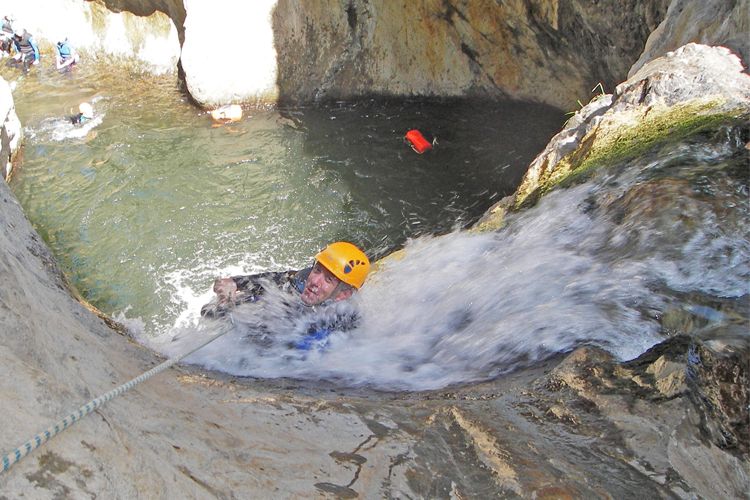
[(417, 141)]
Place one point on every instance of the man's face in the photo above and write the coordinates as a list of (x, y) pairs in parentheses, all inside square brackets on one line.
[(320, 286)]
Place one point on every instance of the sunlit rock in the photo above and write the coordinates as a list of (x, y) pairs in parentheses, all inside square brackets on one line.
[(693, 393), (669, 98), (229, 54), (10, 129), (709, 22)]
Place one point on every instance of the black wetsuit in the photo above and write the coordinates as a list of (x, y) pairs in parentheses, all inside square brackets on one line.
[(251, 288)]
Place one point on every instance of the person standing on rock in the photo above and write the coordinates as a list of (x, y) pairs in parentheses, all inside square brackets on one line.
[(27, 51), (339, 270)]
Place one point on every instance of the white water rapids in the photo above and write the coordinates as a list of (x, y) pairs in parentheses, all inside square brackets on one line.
[(466, 307)]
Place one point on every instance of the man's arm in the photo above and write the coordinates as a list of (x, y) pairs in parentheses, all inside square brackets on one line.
[(235, 290)]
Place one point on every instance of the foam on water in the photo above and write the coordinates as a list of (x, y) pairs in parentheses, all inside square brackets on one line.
[(61, 129), (465, 307), (597, 264)]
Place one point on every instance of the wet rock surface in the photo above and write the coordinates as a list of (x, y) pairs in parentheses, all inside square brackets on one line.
[(669, 98), (672, 422)]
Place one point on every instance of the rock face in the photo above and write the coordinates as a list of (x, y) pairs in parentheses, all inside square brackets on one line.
[(706, 440), (676, 90), (10, 129), (671, 95), (551, 52), (229, 55), (711, 22)]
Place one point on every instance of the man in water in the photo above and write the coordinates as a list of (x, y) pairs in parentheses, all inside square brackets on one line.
[(85, 113), (339, 270)]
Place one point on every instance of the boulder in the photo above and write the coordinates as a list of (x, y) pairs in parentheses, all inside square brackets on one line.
[(10, 129), (709, 22), (670, 97)]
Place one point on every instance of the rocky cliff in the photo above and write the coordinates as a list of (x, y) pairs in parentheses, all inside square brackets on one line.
[(261, 52), (551, 52)]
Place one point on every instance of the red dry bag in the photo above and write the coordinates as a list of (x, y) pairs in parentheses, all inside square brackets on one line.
[(417, 141)]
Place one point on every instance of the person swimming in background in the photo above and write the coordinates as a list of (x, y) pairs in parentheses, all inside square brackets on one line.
[(66, 55), (85, 113), (339, 270)]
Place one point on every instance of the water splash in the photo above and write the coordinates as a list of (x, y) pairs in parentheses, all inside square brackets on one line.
[(61, 129), (596, 264)]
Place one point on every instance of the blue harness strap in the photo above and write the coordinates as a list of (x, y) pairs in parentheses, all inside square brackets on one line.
[(317, 338)]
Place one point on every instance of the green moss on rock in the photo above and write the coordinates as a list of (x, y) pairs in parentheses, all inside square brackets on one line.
[(628, 135)]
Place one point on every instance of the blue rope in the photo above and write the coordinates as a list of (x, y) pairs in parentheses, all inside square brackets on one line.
[(44, 436)]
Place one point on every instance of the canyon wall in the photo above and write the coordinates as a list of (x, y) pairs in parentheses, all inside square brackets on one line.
[(546, 51), (261, 52), (555, 52)]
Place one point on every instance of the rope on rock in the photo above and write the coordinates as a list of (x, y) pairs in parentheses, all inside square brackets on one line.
[(44, 436)]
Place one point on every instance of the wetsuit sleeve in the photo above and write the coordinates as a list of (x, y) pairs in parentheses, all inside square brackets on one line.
[(253, 284), (250, 288), (34, 46)]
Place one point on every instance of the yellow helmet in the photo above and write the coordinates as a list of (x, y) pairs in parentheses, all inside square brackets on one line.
[(347, 262)]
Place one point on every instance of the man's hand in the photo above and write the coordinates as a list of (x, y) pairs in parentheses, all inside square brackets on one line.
[(225, 289)]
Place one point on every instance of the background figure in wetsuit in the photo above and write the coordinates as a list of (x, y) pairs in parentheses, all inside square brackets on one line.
[(27, 51), (339, 270), (66, 55), (6, 35)]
